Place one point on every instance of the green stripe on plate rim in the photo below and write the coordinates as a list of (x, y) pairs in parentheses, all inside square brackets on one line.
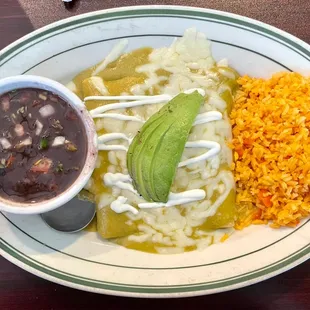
[(167, 12), (152, 35), (155, 268), (276, 268)]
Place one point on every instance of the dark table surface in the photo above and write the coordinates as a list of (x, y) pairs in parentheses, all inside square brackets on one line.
[(21, 290)]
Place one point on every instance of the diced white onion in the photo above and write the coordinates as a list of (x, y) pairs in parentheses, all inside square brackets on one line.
[(39, 127), (5, 143), (19, 130), (42, 96), (5, 103), (59, 141), (47, 110), (27, 141)]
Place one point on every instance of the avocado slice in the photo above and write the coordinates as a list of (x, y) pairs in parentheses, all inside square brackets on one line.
[(139, 156), (156, 150)]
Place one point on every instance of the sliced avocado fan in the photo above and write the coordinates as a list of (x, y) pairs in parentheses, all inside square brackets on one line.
[(156, 150)]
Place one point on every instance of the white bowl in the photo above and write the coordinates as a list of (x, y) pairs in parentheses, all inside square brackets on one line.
[(31, 81)]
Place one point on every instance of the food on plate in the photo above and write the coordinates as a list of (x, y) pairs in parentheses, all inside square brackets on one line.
[(155, 152), (271, 143), (169, 158), (163, 181), (42, 145)]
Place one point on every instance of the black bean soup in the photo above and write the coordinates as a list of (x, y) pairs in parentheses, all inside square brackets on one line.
[(42, 145)]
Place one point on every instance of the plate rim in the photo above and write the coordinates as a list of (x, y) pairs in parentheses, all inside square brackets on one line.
[(152, 8), (136, 291)]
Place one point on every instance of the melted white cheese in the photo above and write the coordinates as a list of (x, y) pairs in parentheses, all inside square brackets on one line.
[(120, 205), (188, 60), (116, 52)]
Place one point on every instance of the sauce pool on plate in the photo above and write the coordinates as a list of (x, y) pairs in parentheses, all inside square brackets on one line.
[(42, 145)]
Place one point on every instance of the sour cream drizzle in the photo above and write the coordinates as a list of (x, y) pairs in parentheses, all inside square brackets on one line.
[(123, 181), (213, 147), (123, 105), (111, 137)]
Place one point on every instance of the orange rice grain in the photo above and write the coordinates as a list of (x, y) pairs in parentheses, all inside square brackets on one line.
[(271, 145)]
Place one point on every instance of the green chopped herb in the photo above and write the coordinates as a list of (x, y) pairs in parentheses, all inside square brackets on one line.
[(60, 167), (56, 124), (43, 143), (21, 110), (71, 147), (66, 171)]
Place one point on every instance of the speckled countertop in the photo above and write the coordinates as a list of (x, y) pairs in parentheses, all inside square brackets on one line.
[(278, 13)]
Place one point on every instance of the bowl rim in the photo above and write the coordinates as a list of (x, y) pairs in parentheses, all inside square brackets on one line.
[(32, 81)]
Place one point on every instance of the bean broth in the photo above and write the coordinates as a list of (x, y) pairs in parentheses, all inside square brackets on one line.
[(42, 145)]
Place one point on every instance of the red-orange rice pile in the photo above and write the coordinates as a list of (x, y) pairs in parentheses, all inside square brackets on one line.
[(271, 142)]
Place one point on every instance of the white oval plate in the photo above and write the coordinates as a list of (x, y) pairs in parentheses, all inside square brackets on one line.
[(84, 261)]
